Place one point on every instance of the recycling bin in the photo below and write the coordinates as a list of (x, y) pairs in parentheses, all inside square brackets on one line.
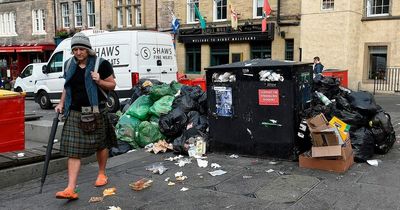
[(12, 121), (254, 107), (341, 75)]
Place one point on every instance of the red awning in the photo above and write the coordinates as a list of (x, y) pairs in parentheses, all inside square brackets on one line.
[(7, 49), (37, 48)]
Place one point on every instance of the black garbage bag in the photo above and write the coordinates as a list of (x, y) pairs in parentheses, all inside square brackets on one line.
[(342, 103), (181, 144), (186, 103), (363, 101), (353, 118), (172, 124), (317, 109), (195, 120), (124, 105), (195, 92), (383, 132), (122, 147), (136, 93), (362, 141), (203, 103), (329, 86)]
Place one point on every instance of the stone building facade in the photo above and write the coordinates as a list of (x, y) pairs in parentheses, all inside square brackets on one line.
[(220, 43), (26, 34), (362, 37)]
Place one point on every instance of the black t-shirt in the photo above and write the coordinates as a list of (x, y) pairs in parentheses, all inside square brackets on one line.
[(77, 82)]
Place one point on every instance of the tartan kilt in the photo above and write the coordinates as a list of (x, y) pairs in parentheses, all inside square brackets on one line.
[(77, 144)]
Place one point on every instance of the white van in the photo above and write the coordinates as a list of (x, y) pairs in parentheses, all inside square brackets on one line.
[(134, 55), (25, 82)]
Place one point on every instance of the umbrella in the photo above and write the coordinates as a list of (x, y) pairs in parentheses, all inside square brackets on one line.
[(48, 150)]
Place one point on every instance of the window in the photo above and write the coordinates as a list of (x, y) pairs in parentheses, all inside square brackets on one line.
[(377, 61), (38, 22), (289, 49), (219, 54), (260, 49), (378, 7), (78, 14), (258, 8), (220, 9), (119, 14), (327, 4), (193, 58), (138, 11), (7, 24), (56, 63), (129, 20), (65, 15), (27, 72), (91, 21), (191, 14)]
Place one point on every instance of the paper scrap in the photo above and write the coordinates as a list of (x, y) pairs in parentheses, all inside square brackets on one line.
[(96, 199), (114, 208), (109, 191), (141, 184), (217, 172), (373, 162), (202, 163), (171, 183), (183, 162), (21, 154), (184, 189), (174, 158), (234, 156), (166, 179), (270, 170), (215, 165)]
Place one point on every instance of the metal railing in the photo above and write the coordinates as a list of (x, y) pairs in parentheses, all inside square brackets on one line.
[(387, 80)]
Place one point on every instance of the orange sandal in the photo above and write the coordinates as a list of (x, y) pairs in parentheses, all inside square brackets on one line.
[(67, 194), (101, 180)]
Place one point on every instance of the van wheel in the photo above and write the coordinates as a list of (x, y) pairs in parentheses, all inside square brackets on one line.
[(113, 102), (18, 89), (44, 100)]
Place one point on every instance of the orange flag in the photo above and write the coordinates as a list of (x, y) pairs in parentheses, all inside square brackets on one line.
[(266, 13)]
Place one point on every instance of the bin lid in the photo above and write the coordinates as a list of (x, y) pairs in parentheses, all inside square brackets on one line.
[(258, 63), (7, 93)]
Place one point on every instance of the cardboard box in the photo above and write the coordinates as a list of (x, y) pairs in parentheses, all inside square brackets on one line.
[(336, 164), (329, 151), (323, 134)]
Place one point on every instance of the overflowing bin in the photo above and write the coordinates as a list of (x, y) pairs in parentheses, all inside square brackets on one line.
[(342, 75), (12, 121), (254, 106)]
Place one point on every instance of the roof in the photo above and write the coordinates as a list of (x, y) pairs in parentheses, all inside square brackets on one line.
[(258, 63)]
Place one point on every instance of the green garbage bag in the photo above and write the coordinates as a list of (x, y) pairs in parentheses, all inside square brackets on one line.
[(154, 119), (175, 86), (158, 91), (162, 106), (126, 130), (148, 133), (140, 108)]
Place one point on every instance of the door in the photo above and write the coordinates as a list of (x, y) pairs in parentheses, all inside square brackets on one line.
[(27, 81)]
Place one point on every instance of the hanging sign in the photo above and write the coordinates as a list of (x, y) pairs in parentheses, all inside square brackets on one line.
[(268, 97)]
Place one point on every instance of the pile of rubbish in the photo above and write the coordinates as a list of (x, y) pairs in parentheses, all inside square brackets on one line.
[(371, 130), (157, 111)]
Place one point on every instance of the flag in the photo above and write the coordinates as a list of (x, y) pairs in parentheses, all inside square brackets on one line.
[(201, 19), (266, 13), (175, 24), (234, 17)]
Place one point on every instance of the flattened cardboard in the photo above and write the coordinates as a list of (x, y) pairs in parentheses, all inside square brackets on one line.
[(335, 164), (323, 134)]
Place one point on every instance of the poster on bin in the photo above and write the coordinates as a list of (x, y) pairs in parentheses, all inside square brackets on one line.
[(268, 97), (223, 102)]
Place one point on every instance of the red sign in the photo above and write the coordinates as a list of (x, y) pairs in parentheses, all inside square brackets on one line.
[(268, 97)]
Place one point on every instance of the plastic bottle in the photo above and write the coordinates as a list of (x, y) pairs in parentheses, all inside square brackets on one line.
[(323, 98)]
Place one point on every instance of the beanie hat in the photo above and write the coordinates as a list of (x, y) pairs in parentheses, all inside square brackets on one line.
[(81, 40)]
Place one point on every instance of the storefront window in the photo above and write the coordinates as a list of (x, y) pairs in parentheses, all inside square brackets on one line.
[(260, 49), (219, 54), (377, 62), (193, 58)]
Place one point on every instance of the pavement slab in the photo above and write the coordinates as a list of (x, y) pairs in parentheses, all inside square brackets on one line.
[(287, 189), (318, 199)]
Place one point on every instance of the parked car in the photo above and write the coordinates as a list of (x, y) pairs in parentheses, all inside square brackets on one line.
[(25, 82), (134, 55)]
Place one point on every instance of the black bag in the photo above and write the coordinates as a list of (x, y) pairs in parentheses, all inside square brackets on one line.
[(89, 122)]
